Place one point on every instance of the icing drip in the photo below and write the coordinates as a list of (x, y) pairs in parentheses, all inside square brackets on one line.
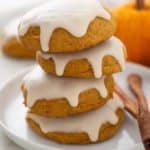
[(40, 85), (72, 15), (95, 55), (80, 123)]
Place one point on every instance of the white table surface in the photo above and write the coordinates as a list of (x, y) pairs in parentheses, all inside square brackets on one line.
[(10, 66)]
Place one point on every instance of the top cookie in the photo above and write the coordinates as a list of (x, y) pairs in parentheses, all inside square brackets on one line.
[(66, 26)]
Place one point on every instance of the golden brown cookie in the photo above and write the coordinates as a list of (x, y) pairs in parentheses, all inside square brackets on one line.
[(80, 67), (12, 47), (60, 107), (106, 131), (62, 41), (104, 59)]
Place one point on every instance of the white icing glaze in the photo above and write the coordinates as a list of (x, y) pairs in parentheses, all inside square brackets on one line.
[(41, 85), (72, 15), (89, 123), (95, 55)]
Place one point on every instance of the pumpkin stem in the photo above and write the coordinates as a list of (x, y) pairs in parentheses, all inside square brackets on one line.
[(140, 4)]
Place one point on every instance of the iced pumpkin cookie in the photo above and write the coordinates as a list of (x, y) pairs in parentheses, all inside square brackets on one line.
[(11, 45), (104, 59), (66, 26), (91, 127), (52, 96)]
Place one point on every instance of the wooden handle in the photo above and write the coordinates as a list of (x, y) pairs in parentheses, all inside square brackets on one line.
[(130, 105), (144, 126), (135, 83)]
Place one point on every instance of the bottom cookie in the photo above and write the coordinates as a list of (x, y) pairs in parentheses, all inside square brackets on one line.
[(92, 127)]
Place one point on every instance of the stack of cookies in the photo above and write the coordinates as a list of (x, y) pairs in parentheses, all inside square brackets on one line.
[(70, 94)]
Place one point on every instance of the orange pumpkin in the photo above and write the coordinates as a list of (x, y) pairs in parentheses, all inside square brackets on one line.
[(133, 28)]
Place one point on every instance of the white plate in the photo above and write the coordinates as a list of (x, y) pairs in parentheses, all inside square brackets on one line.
[(12, 118)]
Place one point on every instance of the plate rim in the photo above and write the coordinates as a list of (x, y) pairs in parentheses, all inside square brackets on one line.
[(10, 134), (6, 130)]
